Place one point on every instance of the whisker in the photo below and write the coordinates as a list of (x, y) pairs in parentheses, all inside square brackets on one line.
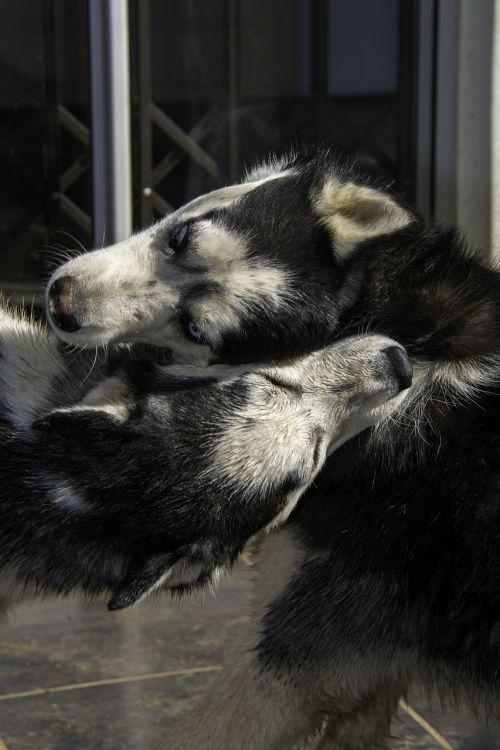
[(72, 237), (92, 367)]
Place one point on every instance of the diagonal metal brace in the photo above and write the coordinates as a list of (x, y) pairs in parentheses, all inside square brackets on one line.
[(182, 139)]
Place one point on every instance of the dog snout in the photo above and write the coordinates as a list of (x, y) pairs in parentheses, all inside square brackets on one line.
[(61, 311), (400, 366)]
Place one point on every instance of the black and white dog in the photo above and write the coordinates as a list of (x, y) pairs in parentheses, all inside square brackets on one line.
[(388, 571), (149, 478)]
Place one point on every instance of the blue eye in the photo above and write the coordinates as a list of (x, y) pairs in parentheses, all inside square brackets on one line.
[(178, 240), (195, 333)]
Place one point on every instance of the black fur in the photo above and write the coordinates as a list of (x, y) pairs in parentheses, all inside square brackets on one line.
[(403, 529), (402, 532), (120, 483), (143, 495)]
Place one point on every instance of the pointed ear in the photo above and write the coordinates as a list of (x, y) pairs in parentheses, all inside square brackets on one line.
[(144, 576), (356, 213), (102, 412), (191, 566), (113, 396)]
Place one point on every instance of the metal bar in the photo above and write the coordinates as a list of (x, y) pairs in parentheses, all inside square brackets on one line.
[(183, 140), (144, 154), (73, 172), (175, 156), (75, 213), (71, 123), (121, 152), (99, 119), (110, 101), (160, 204)]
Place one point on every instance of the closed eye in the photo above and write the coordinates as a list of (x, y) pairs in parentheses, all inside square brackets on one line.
[(292, 387), (179, 239)]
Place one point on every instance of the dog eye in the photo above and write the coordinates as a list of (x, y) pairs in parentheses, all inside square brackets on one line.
[(195, 333), (178, 240)]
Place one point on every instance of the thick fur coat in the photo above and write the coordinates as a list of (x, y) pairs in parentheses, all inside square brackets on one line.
[(387, 572), (122, 477)]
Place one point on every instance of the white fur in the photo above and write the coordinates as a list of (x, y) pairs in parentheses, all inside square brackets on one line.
[(355, 213), (132, 291), (242, 284), (273, 167), (290, 429), (135, 291), (467, 377), (111, 396), (27, 386), (227, 195)]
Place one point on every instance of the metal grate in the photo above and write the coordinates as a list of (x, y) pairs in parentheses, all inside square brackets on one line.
[(194, 137), (215, 87)]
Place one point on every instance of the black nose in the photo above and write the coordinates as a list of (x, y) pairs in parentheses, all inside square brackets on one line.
[(400, 365), (61, 304)]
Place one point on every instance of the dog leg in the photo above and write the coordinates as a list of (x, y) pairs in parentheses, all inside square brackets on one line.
[(367, 727), (247, 709), (252, 706)]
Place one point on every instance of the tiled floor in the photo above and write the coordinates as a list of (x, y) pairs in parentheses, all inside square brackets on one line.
[(76, 677)]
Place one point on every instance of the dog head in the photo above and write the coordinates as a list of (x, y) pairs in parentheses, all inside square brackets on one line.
[(185, 464), (254, 271)]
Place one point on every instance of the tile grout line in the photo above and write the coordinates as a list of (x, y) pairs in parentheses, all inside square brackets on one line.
[(110, 681), (425, 725)]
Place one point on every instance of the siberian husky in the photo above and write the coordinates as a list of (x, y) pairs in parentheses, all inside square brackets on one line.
[(128, 477), (389, 565)]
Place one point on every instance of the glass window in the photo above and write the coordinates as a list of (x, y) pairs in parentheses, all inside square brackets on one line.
[(215, 86), (218, 86), (45, 181)]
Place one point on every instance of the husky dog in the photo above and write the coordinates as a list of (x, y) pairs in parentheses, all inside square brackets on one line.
[(153, 477), (387, 571)]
